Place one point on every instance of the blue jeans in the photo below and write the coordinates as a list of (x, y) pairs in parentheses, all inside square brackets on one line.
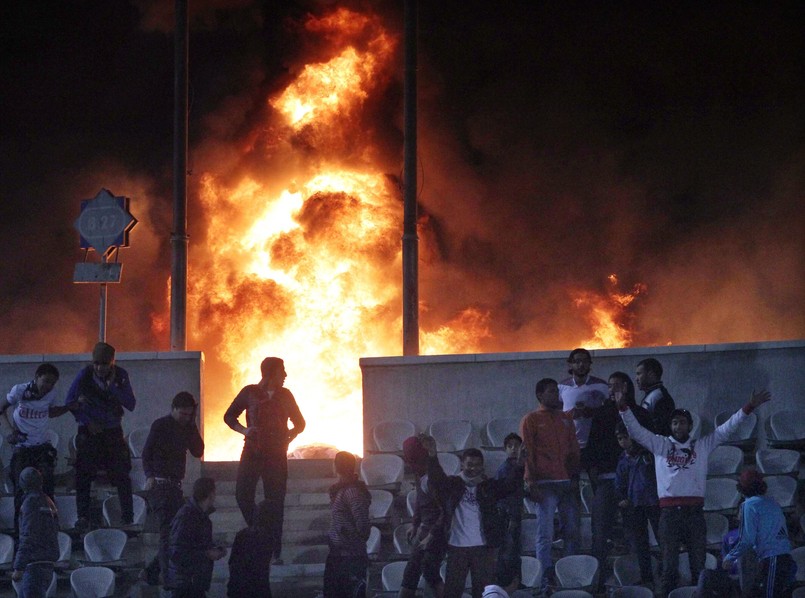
[(561, 497), (36, 580)]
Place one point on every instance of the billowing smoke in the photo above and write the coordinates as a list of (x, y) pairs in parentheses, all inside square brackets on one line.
[(557, 148)]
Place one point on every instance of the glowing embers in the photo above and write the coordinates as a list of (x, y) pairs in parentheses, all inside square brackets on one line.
[(608, 315)]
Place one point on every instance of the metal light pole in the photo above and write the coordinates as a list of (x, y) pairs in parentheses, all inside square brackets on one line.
[(410, 241), (179, 238)]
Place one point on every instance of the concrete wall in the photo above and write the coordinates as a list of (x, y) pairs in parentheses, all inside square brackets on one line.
[(703, 378), (155, 378)]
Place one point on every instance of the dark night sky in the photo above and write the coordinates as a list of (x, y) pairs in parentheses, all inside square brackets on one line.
[(560, 142)]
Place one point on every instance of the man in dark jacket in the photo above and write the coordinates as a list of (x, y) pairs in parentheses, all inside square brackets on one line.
[(39, 537), (164, 457), (345, 569), (191, 550), (657, 400), (269, 406), (602, 461), (101, 391), (474, 527), (250, 558)]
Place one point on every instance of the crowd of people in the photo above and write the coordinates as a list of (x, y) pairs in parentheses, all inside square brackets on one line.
[(640, 460)]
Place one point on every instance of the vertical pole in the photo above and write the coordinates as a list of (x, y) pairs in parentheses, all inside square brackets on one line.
[(179, 238), (410, 242), (102, 327)]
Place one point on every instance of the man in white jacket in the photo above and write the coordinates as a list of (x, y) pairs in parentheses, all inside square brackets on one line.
[(681, 467)]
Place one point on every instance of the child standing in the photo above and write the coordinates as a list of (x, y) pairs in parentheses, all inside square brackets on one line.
[(680, 465), (511, 509), (636, 489)]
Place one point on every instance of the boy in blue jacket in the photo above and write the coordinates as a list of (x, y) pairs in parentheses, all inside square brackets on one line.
[(763, 529), (636, 488)]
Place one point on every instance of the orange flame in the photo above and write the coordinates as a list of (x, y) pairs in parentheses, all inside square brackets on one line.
[(607, 315)]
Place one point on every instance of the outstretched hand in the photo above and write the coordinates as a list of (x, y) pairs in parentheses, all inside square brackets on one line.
[(759, 397)]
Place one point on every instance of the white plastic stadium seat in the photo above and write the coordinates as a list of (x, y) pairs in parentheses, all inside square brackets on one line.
[(782, 488), (450, 463), (112, 515), (390, 435), (391, 576), (137, 438), (137, 475), (798, 554), (530, 571), (530, 506), (65, 549), (382, 470), (626, 570), (500, 427), (400, 538), (710, 562), (7, 512), (49, 593), (380, 507), (410, 501), (105, 545), (746, 432), (6, 549), (373, 543), (717, 527), (632, 592), (68, 512), (683, 592), (788, 424), (93, 581), (720, 494), (777, 461), (576, 571), (586, 491), (492, 462), (572, 594), (725, 460), (451, 434)]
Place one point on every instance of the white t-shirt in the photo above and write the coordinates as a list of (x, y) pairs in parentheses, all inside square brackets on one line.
[(465, 529), (592, 393), (30, 416)]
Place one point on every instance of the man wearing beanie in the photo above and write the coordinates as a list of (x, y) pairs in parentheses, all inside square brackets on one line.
[(101, 391), (764, 530), (39, 537)]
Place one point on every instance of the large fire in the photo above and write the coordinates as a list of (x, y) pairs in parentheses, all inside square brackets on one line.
[(307, 265)]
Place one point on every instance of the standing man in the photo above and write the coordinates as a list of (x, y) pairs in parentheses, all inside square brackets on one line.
[(582, 392), (164, 457), (268, 406), (657, 400), (192, 552), (97, 398), (551, 472), (32, 404)]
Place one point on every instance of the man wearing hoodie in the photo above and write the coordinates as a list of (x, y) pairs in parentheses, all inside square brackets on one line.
[(39, 537), (191, 550), (345, 569), (681, 468), (474, 527)]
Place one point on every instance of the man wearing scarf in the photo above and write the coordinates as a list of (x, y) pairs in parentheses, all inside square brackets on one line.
[(474, 526)]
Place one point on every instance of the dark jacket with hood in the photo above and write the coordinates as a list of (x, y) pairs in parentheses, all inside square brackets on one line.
[(39, 524), (489, 492), (190, 539)]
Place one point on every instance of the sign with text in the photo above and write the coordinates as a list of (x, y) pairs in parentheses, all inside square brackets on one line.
[(105, 222)]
